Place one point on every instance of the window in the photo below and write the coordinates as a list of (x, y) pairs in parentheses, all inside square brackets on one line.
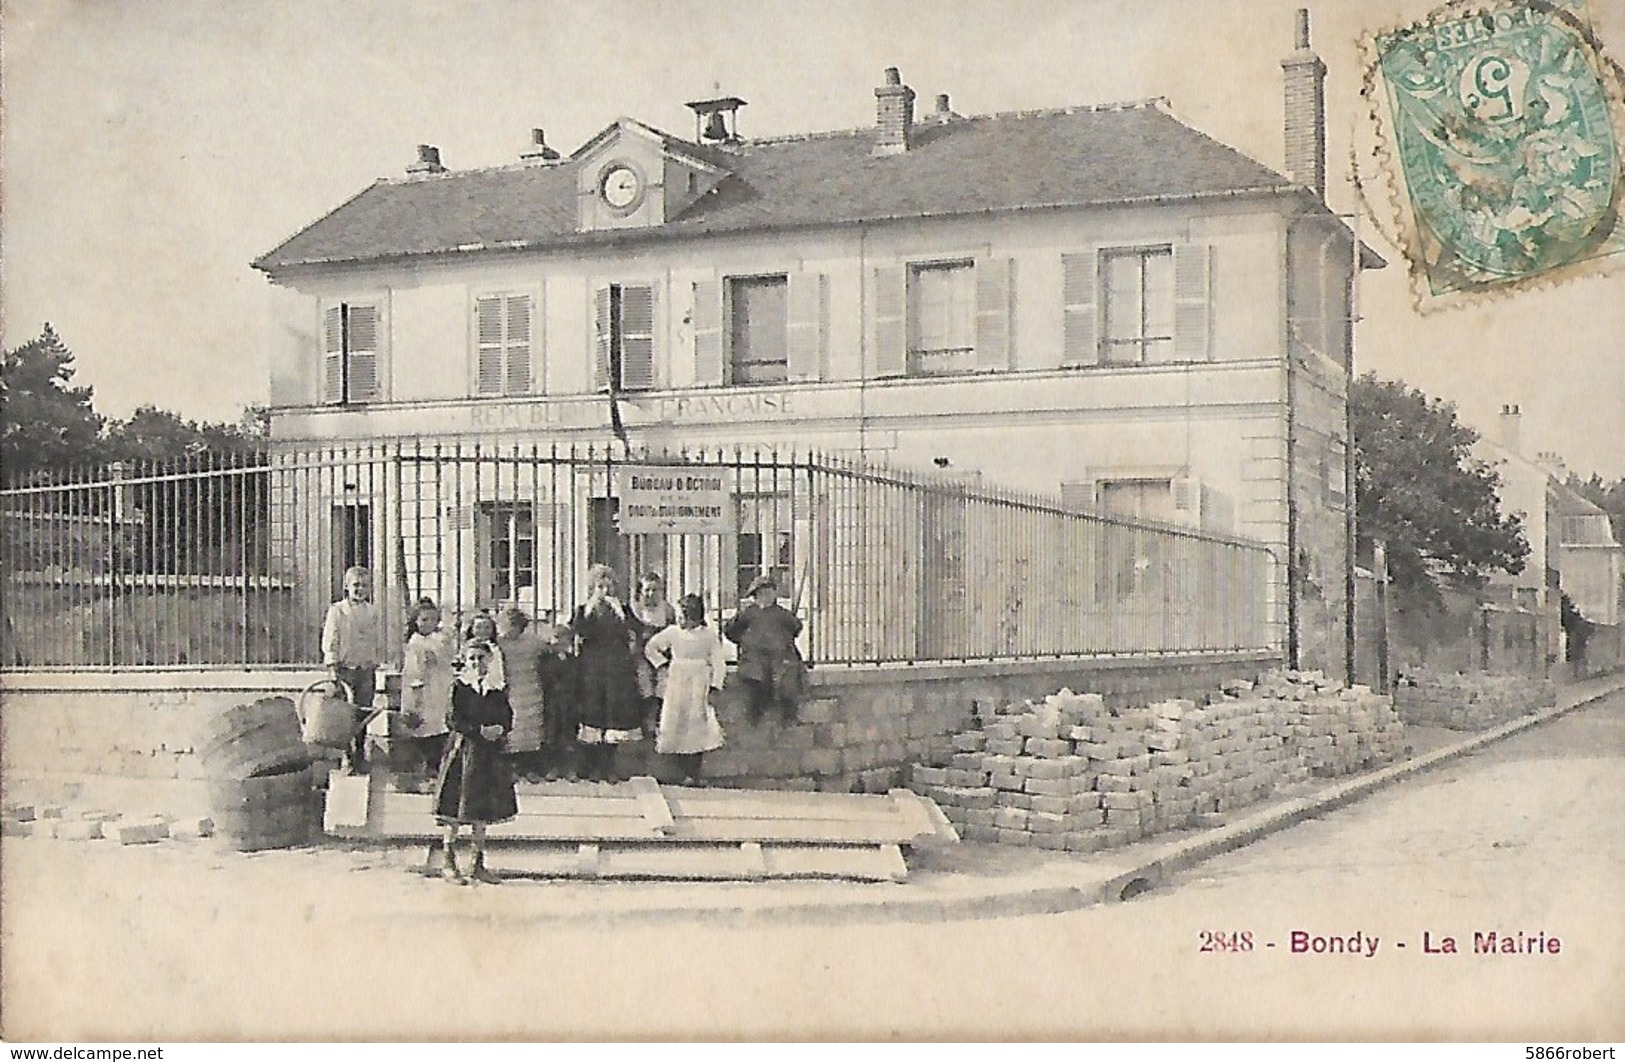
[(1139, 290), (942, 318), (1131, 563), (508, 550), (502, 341), (350, 353), (624, 317), (765, 544), (759, 329)]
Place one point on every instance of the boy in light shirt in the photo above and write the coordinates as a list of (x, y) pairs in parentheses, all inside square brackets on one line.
[(352, 649)]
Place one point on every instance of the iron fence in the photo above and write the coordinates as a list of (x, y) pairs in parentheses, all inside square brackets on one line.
[(233, 563)]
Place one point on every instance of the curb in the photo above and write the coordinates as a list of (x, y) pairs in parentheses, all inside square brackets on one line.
[(1116, 885)]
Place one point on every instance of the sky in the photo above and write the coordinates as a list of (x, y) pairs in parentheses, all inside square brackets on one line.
[(150, 149)]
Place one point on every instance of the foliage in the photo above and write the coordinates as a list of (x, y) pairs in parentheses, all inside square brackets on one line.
[(46, 423), (48, 426), (1420, 489), (152, 434)]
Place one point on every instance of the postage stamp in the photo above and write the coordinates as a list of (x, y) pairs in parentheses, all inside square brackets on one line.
[(1500, 129)]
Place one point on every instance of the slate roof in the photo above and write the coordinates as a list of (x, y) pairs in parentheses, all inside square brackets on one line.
[(1006, 162)]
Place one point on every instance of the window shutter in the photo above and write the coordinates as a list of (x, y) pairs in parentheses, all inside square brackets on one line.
[(1080, 339), (637, 338), (1192, 277), (603, 336), (488, 344), (891, 331), (995, 297), (1187, 493), (362, 335), (708, 333), (517, 380), (808, 332), (333, 354)]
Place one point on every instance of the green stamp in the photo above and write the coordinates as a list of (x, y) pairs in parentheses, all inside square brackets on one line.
[(1504, 128)]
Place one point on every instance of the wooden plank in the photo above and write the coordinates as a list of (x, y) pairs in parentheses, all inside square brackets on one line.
[(745, 808), (879, 863), (790, 831), (652, 803), (700, 862), (575, 807), (346, 804)]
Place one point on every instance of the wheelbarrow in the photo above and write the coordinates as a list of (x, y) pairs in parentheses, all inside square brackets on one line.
[(328, 719)]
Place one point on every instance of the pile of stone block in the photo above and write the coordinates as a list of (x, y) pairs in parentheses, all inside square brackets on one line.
[(1069, 773), (1469, 702)]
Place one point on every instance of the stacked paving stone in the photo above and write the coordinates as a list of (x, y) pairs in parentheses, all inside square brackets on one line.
[(1469, 702), (1067, 773)]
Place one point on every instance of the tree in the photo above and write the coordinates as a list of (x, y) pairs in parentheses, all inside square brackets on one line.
[(153, 434), (1421, 490), (46, 423)]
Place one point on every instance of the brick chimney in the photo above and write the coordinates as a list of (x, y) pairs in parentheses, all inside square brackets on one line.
[(1305, 111), (1512, 430), (894, 114), (538, 153), (428, 161)]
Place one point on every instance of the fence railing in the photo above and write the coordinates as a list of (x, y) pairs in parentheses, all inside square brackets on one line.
[(234, 563)]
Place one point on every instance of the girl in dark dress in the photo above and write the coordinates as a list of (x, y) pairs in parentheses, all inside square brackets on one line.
[(475, 787), (611, 711)]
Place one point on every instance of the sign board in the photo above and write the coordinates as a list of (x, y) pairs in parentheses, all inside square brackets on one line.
[(673, 500)]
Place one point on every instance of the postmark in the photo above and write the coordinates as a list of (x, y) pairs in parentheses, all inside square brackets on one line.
[(1500, 132)]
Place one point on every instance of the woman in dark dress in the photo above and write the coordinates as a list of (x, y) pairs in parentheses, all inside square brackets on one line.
[(607, 698), (475, 787)]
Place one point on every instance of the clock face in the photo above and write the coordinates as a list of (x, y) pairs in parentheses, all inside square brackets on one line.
[(621, 187)]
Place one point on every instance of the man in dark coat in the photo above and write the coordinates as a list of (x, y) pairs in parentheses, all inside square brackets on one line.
[(769, 663)]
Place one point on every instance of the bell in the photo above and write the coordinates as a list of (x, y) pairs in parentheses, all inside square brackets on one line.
[(715, 127)]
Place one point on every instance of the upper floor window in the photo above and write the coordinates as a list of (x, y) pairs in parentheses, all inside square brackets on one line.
[(758, 333), (350, 353), (502, 325), (1139, 289), (942, 317), (1137, 305), (624, 340)]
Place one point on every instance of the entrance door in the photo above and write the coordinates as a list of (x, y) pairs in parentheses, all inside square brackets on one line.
[(605, 543), (352, 543)]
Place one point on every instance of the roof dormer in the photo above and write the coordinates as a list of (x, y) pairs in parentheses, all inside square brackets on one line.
[(634, 176)]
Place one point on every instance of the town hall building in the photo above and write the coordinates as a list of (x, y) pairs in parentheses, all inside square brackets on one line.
[(1097, 303)]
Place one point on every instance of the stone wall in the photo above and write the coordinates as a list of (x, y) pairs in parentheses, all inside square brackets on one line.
[(1469, 701), (136, 724), (859, 728), (1074, 772)]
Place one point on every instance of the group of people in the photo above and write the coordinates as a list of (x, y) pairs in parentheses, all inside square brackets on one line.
[(484, 701)]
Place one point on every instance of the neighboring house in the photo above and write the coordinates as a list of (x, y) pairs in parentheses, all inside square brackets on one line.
[(1572, 546), (1094, 302)]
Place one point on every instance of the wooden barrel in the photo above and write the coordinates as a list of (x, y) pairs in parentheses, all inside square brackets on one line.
[(252, 740), (270, 811)]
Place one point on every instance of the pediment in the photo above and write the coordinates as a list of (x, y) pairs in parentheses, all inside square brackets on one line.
[(632, 175)]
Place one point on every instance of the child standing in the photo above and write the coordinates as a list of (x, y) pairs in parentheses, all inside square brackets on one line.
[(688, 726), (653, 613), (475, 788), (559, 716), (482, 627), (352, 649), (606, 685), (521, 648), (769, 664), (426, 678)]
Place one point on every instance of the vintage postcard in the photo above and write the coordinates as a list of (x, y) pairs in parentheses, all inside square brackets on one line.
[(995, 520)]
